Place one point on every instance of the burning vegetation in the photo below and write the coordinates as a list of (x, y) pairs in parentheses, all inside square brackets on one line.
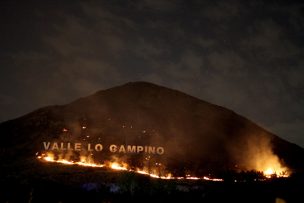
[(155, 172), (258, 155), (270, 168)]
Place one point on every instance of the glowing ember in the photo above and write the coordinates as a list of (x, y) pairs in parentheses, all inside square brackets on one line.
[(212, 179), (89, 164), (117, 166), (65, 162), (50, 158)]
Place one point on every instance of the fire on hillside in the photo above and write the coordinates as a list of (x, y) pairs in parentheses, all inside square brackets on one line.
[(158, 171)]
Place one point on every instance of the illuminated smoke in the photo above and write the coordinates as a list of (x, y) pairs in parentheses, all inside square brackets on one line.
[(255, 153)]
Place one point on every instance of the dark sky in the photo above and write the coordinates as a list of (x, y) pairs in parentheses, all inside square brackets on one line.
[(247, 56)]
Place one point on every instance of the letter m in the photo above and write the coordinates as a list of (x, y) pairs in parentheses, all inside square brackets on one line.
[(131, 149)]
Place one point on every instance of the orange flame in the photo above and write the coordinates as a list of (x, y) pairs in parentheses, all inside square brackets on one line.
[(259, 156), (270, 165), (87, 161), (49, 157), (270, 172)]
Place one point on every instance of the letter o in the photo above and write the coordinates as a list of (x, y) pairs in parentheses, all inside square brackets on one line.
[(160, 150), (98, 147)]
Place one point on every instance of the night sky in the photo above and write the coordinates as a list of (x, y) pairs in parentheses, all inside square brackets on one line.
[(247, 56)]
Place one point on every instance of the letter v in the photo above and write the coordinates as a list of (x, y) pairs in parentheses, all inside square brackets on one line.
[(46, 145)]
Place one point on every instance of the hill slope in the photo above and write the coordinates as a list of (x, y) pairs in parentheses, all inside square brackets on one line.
[(196, 135)]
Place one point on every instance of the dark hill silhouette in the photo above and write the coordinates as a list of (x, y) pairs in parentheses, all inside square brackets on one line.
[(196, 135)]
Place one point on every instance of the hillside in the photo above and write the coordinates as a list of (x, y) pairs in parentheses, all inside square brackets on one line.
[(197, 136)]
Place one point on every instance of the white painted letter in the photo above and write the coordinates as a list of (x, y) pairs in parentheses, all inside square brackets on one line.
[(151, 150), (131, 149), (55, 146), (46, 145), (122, 149), (160, 150), (113, 148), (77, 146), (140, 149), (89, 148), (98, 147)]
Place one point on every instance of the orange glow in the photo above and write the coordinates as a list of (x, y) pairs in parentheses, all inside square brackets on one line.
[(120, 166), (272, 167), (269, 172), (87, 161), (212, 179), (117, 166), (259, 156), (49, 157)]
